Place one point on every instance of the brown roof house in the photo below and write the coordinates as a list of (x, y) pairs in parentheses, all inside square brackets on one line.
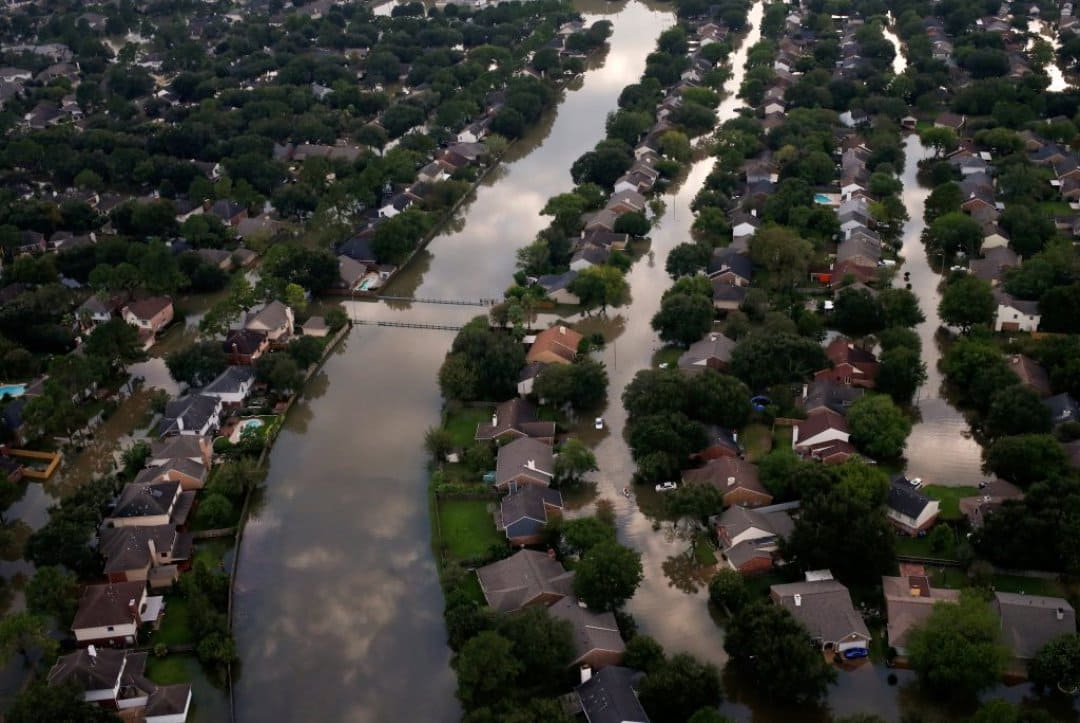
[(823, 436), (149, 316), (1031, 374), (711, 352), (145, 505), (523, 514), (850, 365), (1028, 622), (597, 642), (525, 578), (112, 613), (750, 537), (525, 461), (557, 345), (514, 419), (908, 602), (824, 608), (244, 346), (736, 479), (116, 679), (155, 554), (194, 448), (190, 475)]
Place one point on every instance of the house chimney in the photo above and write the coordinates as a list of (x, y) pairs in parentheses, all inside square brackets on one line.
[(730, 481), (494, 420), (92, 652), (1061, 613), (586, 673), (531, 464), (753, 212), (798, 600), (562, 329)]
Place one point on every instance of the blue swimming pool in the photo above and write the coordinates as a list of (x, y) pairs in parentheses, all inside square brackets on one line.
[(12, 390), (250, 424), (822, 199)]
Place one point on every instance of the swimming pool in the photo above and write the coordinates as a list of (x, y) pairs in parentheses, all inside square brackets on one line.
[(242, 427), (822, 199), (12, 390)]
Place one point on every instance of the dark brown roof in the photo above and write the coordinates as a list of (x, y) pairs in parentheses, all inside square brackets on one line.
[(149, 308), (514, 582), (99, 671), (727, 474), (243, 341), (109, 604)]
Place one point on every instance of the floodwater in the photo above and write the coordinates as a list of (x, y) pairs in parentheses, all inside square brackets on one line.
[(338, 609), (941, 448), (1048, 33)]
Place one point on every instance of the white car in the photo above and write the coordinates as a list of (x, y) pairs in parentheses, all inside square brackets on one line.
[(666, 486), (599, 423), (916, 482)]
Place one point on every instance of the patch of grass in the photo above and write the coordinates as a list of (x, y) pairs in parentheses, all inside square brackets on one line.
[(468, 529), (212, 552), (759, 585), (1055, 208), (176, 625), (471, 586), (462, 424), (668, 355), (1028, 585), (704, 554), (920, 547), (949, 497), (757, 440), (169, 670), (781, 436)]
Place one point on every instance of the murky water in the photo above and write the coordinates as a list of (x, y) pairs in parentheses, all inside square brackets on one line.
[(1047, 32), (338, 609)]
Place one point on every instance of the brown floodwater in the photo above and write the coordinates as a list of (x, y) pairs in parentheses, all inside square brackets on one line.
[(338, 609)]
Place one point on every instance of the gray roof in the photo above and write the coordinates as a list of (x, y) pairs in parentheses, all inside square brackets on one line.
[(108, 604), (609, 697), (143, 500), (529, 502), (1028, 622), (515, 415), (556, 282), (230, 381), (184, 465), (591, 630), (128, 548), (274, 315), (191, 412), (905, 499), (908, 602), (773, 520), (1031, 308), (994, 261), (728, 259), (823, 607), (89, 672), (166, 700), (514, 582), (714, 346), (187, 446), (514, 459), (828, 394)]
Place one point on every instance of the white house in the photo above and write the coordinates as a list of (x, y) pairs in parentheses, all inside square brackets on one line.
[(820, 426), (113, 612), (908, 509), (232, 386), (1014, 314), (276, 319)]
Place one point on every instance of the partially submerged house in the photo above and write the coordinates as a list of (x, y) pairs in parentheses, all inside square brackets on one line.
[(112, 613), (824, 608), (525, 578), (908, 603), (1028, 622), (750, 537), (823, 436), (194, 415), (597, 642), (525, 461), (711, 352), (154, 554), (737, 480), (522, 515), (977, 507), (514, 419), (909, 509), (557, 345), (158, 503), (610, 696), (275, 319)]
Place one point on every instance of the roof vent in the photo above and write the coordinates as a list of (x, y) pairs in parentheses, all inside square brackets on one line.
[(1061, 613), (730, 481), (586, 673), (798, 600)]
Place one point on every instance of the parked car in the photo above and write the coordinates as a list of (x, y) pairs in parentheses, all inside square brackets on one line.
[(599, 423), (853, 653), (489, 478), (916, 482), (666, 486)]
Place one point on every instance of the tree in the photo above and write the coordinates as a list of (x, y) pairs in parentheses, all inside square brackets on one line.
[(774, 650), (901, 373), (967, 301), (483, 364), (956, 232), (280, 371), (1057, 665), (335, 318), (878, 426), (115, 341), (900, 308), (608, 576), (942, 140), (764, 359), (684, 318), (715, 398), (54, 592), (486, 667), (25, 633), (600, 285), (644, 653), (672, 692), (686, 259), (1014, 410), (57, 704), (957, 651), (543, 644), (574, 460), (584, 533), (582, 385), (944, 199), (656, 392), (234, 479), (708, 715), (695, 500), (305, 351), (633, 223), (1026, 458), (438, 442), (534, 710), (781, 252), (727, 589), (215, 511), (857, 312), (198, 364)]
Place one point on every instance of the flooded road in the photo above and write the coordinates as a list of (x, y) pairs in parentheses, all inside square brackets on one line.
[(940, 449), (338, 608)]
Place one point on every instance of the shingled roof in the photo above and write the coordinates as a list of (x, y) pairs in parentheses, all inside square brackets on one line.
[(523, 578)]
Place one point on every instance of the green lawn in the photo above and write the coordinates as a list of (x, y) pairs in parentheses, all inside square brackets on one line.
[(920, 547), (462, 424), (668, 355), (471, 586), (1055, 208), (953, 577), (212, 552), (170, 670), (704, 554), (468, 529), (757, 440), (949, 497), (782, 436), (175, 627)]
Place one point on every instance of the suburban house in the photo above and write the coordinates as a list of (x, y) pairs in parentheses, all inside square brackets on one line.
[(722, 443), (191, 475), (525, 461), (712, 352), (197, 449), (743, 226), (736, 479), (525, 578), (628, 201), (992, 266), (115, 679), (1014, 314), (850, 365), (514, 419), (147, 505), (828, 394), (750, 537), (1031, 374), (147, 554), (977, 507), (824, 608), (823, 436), (950, 120), (730, 266), (95, 311), (351, 273), (527, 377), (557, 345), (523, 514), (244, 346), (275, 319), (727, 296), (908, 602), (1028, 622), (195, 414), (908, 509), (557, 287), (232, 386), (597, 642), (149, 316), (610, 696), (112, 613)]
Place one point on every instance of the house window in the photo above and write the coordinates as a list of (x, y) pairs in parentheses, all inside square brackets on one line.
[(110, 628)]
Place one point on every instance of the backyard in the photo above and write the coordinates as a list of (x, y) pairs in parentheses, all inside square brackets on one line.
[(949, 497), (461, 424), (467, 528), (175, 626)]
